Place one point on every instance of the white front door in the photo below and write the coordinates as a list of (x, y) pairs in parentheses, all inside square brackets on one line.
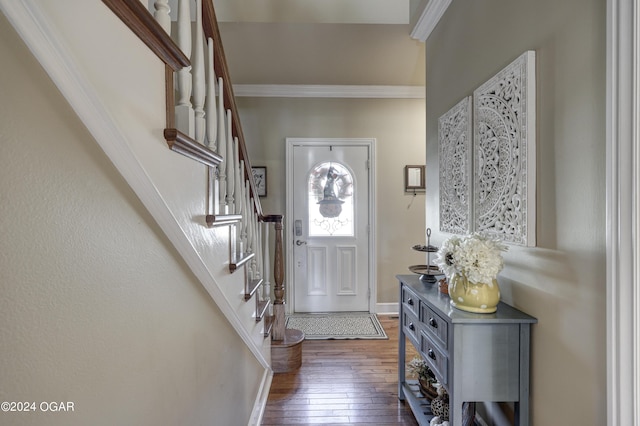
[(330, 233)]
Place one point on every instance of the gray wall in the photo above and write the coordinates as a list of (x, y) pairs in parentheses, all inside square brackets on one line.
[(397, 125), (562, 280)]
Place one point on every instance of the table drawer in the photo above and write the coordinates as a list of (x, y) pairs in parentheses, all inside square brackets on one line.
[(436, 359), (410, 300), (435, 325), (411, 328)]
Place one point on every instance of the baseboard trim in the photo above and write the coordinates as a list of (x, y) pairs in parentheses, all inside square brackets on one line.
[(387, 308), (261, 399)]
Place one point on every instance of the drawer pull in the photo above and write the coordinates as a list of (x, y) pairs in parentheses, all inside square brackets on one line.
[(431, 354), (410, 301), (411, 326), (433, 323)]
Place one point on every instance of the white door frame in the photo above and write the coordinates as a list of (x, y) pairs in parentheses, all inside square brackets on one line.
[(623, 210), (288, 222)]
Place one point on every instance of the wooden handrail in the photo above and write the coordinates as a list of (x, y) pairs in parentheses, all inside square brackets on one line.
[(186, 146)]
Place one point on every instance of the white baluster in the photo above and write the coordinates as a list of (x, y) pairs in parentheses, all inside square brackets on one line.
[(249, 224), (245, 215), (239, 196), (213, 201), (232, 241), (221, 131), (184, 112), (240, 204), (197, 61), (210, 100), (258, 246), (240, 207), (162, 14), (238, 176), (250, 247), (222, 149), (230, 166), (266, 271)]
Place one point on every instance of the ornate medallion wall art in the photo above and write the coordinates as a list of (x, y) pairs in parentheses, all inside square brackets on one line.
[(454, 135), (504, 153)]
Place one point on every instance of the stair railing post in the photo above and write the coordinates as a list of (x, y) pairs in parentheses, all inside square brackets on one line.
[(278, 288)]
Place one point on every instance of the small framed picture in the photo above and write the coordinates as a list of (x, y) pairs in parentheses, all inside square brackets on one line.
[(414, 178), (260, 178)]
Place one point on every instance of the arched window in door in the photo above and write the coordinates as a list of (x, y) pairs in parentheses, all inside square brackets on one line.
[(331, 209)]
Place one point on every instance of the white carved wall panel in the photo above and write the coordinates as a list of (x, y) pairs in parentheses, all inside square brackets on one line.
[(504, 153), (346, 268), (317, 271), (454, 135)]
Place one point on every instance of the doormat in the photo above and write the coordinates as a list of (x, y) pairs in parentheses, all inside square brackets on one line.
[(339, 325)]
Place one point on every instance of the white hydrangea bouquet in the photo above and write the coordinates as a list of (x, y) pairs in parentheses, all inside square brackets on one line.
[(471, 264), (477, 256)]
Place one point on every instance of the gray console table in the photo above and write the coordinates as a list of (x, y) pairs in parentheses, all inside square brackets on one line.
[(477, 357)]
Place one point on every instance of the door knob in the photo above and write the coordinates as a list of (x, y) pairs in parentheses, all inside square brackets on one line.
[(300, 242)]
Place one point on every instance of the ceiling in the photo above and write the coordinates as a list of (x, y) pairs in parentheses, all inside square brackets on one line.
[(319, 42)]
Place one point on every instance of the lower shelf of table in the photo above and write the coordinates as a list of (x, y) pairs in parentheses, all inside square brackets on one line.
[(420, 406)]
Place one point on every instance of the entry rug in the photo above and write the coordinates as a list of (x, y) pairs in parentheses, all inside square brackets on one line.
[(339, 325)]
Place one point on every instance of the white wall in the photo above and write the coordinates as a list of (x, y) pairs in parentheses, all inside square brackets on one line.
[(98, 307), (398, 127), (562, 280)]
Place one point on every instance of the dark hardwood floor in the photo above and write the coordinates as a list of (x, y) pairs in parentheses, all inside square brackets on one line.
[(342, 382)]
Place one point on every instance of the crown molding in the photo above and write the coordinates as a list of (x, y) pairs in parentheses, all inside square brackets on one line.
[(426, 18), (323, 91)]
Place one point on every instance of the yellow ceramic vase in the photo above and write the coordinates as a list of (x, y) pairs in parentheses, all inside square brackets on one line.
[(474, 297)]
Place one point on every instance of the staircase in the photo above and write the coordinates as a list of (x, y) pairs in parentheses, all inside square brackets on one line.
[(198, 187), (202, 123)]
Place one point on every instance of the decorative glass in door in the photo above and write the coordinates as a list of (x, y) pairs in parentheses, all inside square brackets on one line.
[(331, 209)]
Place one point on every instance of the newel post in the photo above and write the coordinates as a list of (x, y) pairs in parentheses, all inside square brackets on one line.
[(278, 288), (286, 343)]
